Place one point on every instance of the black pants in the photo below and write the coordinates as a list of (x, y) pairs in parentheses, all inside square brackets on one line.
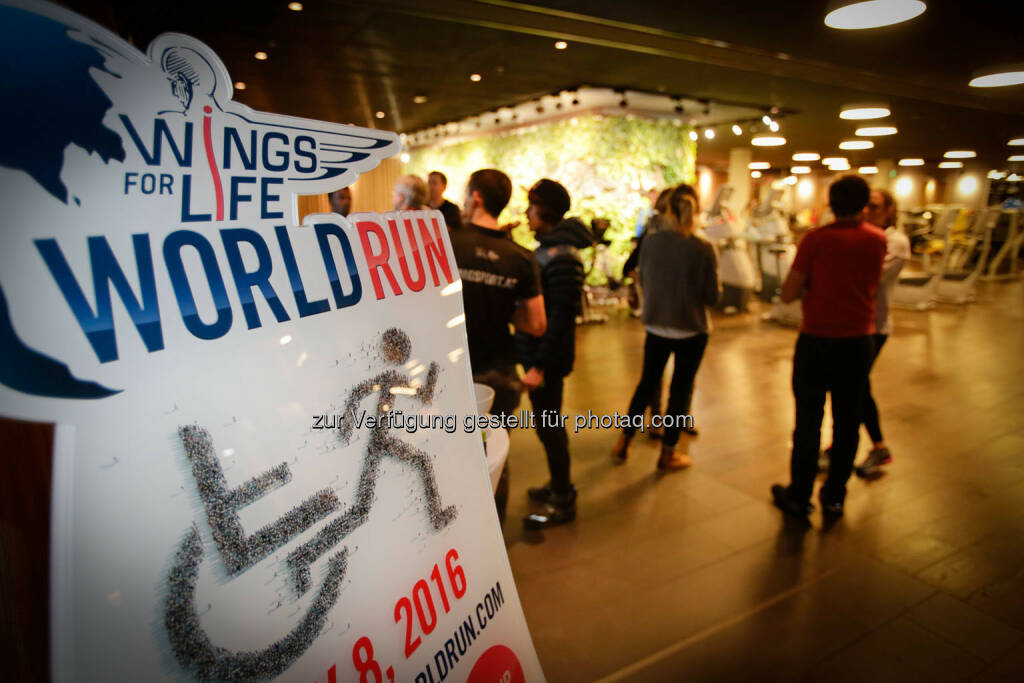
[(840, 367), (870, 417), (547, 403), (689, 353)]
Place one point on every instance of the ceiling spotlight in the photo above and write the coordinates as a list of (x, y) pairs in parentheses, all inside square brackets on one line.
[(998, 77), (419, 99), (996, 175), (1016, 142), (856, 144), (867, 170), (951, 164), (806, 156), (767, 120), (862, 112), (758, 165), (239, 85), (736, 130), (261, 55), (405, 157), (960, 154), (875, 131), (1016, 157), (774, 126), (561, 45), (1013, 178), (790, 180), (830, 161), (693, 135), (768, 141), (873, 13), (295, 6), (476, 78), (800, 170), (774, 110), (911, 162), (709, 133), (755, 174), (839, 167), (379, 115)]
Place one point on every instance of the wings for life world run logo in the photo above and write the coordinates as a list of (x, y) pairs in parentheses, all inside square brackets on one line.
[(204, 187)]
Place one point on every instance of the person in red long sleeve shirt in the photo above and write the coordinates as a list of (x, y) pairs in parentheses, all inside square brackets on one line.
[(836, 274)]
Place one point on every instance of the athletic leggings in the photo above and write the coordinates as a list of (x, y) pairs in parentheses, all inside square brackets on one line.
[(870, 410)]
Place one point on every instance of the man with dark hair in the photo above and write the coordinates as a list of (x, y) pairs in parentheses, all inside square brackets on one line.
[(836, 273), (549, 359), (341, 201), (437, 182)]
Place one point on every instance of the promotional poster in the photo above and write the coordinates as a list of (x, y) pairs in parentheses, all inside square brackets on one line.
[(265, 462)]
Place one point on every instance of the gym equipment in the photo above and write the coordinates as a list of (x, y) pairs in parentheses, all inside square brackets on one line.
[(1005, 265), (768, 231), (735, 269)]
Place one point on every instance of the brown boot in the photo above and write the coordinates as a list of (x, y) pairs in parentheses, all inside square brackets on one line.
[(670, 460), (621, 450)]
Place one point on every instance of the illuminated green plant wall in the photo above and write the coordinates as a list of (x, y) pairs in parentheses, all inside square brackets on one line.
[(608, 163)]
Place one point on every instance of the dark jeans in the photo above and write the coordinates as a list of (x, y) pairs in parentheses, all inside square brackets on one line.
[(689, 353), (548, 397), (840, 367), (870, 409)]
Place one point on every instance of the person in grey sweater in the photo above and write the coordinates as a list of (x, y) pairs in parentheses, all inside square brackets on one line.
[(679, 275)]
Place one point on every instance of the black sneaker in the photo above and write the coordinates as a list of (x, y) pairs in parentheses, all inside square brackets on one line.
[(783, 501), (830, 509), (540, 494), (560, 510)]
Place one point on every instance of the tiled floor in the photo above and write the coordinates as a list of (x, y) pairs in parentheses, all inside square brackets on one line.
[(695, 576)]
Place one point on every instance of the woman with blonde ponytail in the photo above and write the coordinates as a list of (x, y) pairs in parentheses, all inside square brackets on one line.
[(679, 274)]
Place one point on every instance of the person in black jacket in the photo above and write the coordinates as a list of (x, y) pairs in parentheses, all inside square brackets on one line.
[(548, 359)]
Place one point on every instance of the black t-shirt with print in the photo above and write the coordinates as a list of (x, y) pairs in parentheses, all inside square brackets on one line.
[(496, 273), (452, 215)]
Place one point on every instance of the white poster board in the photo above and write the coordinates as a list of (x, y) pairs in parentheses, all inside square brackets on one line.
[(262, 465)]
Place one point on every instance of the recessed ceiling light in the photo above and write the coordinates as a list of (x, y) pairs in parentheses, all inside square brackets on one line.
[(800, 170), (767, 120), (790, 180), (867, 170), (693, 135), (806, 156), (380, 115), (774, 126), (1016, 157), (1016, 142), (476, 78), (863, 112), (831, 161), (912, 162), (998, 76), (736, 130), (758, 165), (405, 157), (873, 13), (875, 131), (295, 6), (561, 45), (755, 174), (419, 99), (709, 133), (1013, 178), (856, 144), (768, 141), (996, 175), (951, 164), (839, 166), (239, 85), (960, 154), (261, 55)]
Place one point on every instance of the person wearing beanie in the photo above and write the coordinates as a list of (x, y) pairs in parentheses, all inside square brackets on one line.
[(548, 359)]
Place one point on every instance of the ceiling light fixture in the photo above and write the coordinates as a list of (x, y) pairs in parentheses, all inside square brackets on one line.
[(709, 133), (379, 115), (806, 156), (736, 130), (774, 126), (758, 165), (873, 13), (768, 141), (1013, 178), (960, 154), (295, 6), (405, 157), (239, 85), (755, 174), (767, 120), (261, 55), (856, 144), (830, 161), (996, 175), (800, 170), (867, 170), (1016, 142), (863, 112), (561, 45), (790, 180), (693, 135), (1016, 157), (419, 99), (476, 78), (951, 164), (875, 131), (998, 76), (911, 162)]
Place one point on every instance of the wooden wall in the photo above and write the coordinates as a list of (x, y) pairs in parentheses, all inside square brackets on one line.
[(370, 192)]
